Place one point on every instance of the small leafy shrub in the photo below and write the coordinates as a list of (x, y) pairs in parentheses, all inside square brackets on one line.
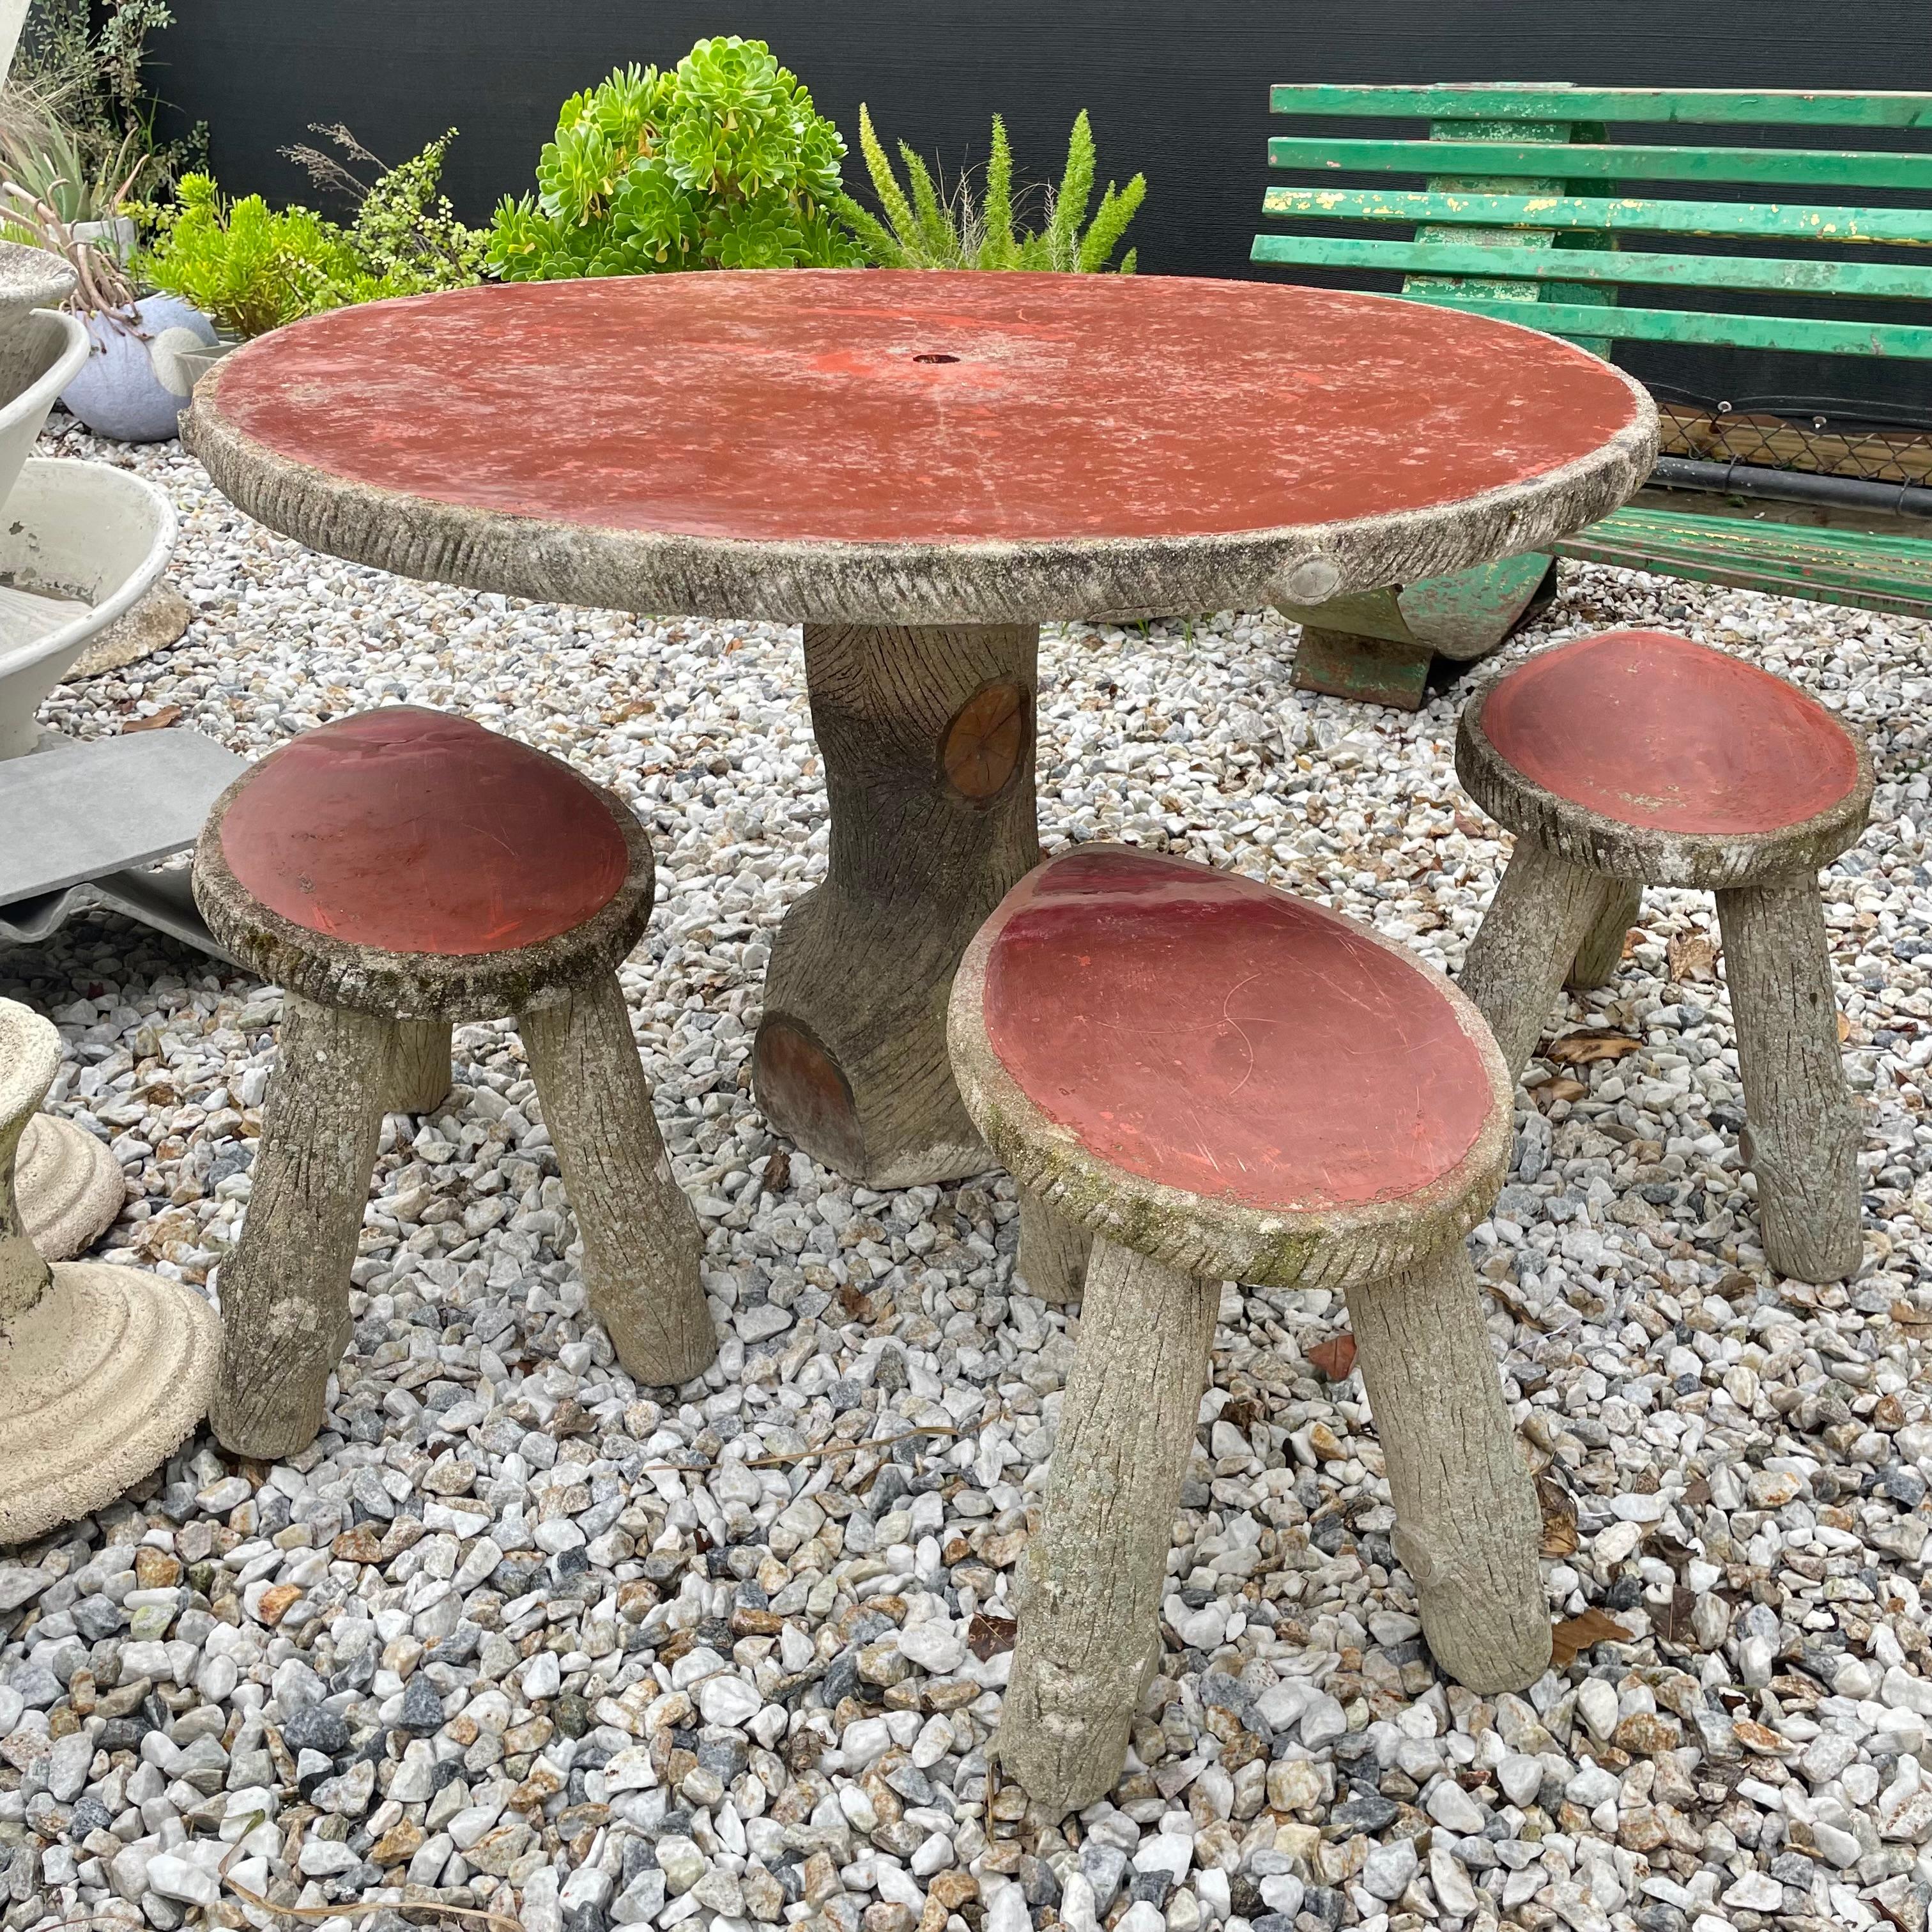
[(924, 228), (84, 63), (250, 268), (722, 163), (404, 228)]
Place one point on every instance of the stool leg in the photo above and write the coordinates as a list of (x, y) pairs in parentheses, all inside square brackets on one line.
[(641, 1239), (1053, 1256), (418, 1078), (285, 1288), (1544, 909), (1803, 1135), (1090, 1602), (1602, 951), (1468, 1525)]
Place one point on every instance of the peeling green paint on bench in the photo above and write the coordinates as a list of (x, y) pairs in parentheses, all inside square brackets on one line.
[(1622, 214), (1609, 161), (1850, 567), (1526, 205), (1533, 101), (1866, 279)]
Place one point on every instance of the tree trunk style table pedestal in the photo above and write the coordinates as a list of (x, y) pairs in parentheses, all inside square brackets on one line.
[(920, 468)]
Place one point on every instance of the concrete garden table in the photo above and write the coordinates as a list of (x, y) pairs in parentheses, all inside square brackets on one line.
[(918, 468)]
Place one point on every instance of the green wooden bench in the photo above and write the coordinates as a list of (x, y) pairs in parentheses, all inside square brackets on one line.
[(1577, 242)]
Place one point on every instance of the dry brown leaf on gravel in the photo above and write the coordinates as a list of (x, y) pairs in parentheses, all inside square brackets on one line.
[(1335, 1358), (1559, 1517), (1671, 1621), (1589, 1044), (1692, 956), (1512, 1304), (1547, 1092), (1578, 1633), (987, 1637)]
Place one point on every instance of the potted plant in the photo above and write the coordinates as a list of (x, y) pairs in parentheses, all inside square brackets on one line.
[(70, 198), (117, 392)]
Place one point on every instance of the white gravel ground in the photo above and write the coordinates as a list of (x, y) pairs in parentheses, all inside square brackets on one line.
[(516, 1634)]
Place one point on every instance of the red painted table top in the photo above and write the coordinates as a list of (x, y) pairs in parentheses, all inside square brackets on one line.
[(1205, 1031), (1654, 730), (420, 833), (860, 407)]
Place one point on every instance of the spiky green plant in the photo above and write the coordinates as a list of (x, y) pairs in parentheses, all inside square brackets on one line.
[(921, 226)]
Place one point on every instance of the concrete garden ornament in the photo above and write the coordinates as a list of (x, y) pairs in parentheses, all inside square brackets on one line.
[(1194, 1078), (1638, 758), (81, 544), (140, 369), (333, 867), (103, 1370)]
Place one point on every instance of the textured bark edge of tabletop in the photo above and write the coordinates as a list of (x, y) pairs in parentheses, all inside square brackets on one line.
[(423, 985), (1199, 1234), (1646, 855), (1124, 579)]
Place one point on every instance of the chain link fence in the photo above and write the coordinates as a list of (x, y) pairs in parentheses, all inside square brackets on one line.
[(1873, 442)]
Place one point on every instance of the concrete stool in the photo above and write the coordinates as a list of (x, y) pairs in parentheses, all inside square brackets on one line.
[(394, 872), (103, 1370), (1209, 1079), (1635, 758)]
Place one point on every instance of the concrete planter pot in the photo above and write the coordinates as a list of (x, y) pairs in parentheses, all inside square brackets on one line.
[(121, 392), (181, 358), (80, 544), (116, 236), (41, 351)]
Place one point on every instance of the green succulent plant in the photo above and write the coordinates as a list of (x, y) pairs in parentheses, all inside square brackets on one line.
[(250, 268), (918, 227), (721, 163)]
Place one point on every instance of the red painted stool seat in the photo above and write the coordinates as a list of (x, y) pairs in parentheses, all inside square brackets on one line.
[(1654, 731), (418, 833), (1207, 1033)]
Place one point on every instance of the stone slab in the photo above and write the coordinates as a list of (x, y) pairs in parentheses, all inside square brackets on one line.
[(79, 810)]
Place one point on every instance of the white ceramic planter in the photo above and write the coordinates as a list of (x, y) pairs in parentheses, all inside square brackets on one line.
[(80, 543), (116, 236)]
